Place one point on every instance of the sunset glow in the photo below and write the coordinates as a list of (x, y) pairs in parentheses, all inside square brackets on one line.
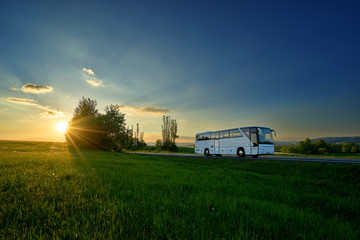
[(61, 127), (223, 66)]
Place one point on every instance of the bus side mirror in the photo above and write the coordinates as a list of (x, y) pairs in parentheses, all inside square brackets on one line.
[(274, 132)]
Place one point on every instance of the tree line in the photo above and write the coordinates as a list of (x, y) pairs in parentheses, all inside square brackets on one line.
[(319, 147), (90, 129)]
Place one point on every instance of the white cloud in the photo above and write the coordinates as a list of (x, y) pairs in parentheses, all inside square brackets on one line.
[(89, 71), (35, 89), (24, 101), (150, 109), (90, 78), (94, 82), (48, 112)]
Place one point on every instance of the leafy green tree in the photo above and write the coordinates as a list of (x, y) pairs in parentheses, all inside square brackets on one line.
[(346, 147), (158, 143), (88, 128), (169, 133), (82, 127), (336, 148), (354, 149), (284, 149), (322, 147), (86, 108), (112, 128)]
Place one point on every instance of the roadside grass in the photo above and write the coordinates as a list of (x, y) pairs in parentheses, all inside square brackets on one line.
[(48, 191), (154, 149), (325, 155), (191, 150)]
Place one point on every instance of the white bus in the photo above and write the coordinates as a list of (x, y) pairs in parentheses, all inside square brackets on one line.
[(245, 141)]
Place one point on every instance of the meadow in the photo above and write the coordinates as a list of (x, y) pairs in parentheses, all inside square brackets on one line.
[(51, 191)]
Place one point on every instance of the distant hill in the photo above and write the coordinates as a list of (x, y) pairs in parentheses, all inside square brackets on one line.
[(282, 143), (339, 139), (326, 139)]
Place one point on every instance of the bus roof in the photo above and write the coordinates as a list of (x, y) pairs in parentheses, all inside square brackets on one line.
[(231, 129)]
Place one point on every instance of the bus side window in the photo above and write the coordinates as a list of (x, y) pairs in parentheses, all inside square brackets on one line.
[(206, 136), (235, 133), (224, 134), (214, 135), (246, 131)]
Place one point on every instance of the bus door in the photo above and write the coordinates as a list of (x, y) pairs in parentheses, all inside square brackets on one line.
[(254, 140), (217, 146)]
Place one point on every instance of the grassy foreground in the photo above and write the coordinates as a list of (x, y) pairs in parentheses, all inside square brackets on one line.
[(49, 192)]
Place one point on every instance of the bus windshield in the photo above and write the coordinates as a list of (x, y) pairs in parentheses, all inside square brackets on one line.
[(265, 136)]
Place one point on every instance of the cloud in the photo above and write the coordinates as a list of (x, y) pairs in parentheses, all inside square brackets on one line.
[(48, 112), (15, 89), (33, 88), (151, 109), (25, 101), (90, 78), (89, 71), (94, 82)]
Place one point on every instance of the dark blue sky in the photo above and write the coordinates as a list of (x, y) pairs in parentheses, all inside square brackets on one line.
[(290, 66)]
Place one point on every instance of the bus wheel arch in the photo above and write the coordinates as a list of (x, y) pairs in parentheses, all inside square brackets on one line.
[(240, 152)]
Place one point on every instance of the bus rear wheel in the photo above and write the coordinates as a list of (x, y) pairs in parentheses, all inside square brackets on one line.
[(207, 152), (241, 152)]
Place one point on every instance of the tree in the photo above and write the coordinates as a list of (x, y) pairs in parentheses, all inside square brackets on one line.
[(158, 143), (354, 149), (346, 147), (85, 108), (81, 128), (113, 127), (88, 128), (322, 147), (306, 147), (169, 133)]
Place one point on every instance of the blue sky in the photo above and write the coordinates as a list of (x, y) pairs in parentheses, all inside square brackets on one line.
[(211, 65)]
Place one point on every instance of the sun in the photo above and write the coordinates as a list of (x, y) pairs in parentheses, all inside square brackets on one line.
[(62, 127)]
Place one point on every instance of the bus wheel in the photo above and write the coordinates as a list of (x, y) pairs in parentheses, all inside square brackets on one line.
[(241, 152), (207, 153)]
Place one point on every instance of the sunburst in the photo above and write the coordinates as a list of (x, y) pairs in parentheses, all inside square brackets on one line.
[(62, 127)]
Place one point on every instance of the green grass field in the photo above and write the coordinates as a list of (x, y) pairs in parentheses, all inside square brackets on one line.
[(48, 191)]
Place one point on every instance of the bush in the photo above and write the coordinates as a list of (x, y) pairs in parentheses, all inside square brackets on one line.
[(322, 150), (158, 143), (320, 147)]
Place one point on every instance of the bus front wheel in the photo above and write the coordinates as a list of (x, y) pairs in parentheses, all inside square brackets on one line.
[(241, 152), (207, 152)]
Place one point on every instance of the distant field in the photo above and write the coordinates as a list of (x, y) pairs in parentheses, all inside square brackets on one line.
[(49, 191)]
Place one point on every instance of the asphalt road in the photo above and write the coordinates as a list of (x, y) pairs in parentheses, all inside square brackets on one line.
[(264, 158)]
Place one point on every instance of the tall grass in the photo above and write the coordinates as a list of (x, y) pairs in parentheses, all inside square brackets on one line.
[(48, 191)]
